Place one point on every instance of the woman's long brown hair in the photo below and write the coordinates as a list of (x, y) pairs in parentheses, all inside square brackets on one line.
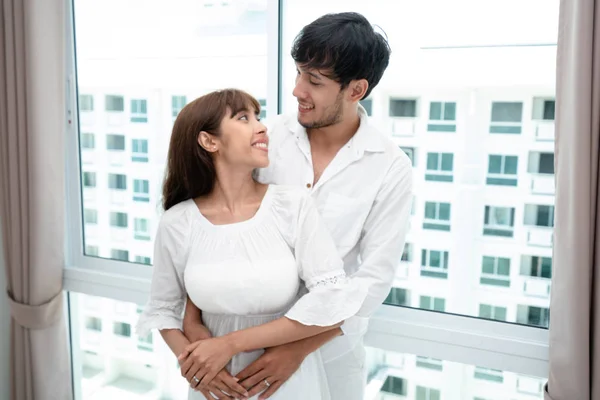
[(190, 171)]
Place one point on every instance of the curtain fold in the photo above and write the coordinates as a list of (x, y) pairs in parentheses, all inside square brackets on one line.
[(574, 372), (32, 195)]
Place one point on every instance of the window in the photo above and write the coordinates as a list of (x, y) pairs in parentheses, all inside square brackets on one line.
[(177, 103), (499, 221), (141, 190), (86, 103), (410, 152), (91, 251), (394, 385), (536, 266), (437, 216), (549, 106), (439, 167), (89, 179), (530, 315), (118, 254), (145, 343), (118, 219), (114, 103), (430, 363), (263, 108), (539, 215), (407, 254), (442, 117), (543, 109), (93, 324), (368, 106), (141, 229), (143, 260), (403, 108), (139, 110), (398, 297), (425, 393), (115, 142), (492, 312), (541, 163), (90, 216), (122, 329), (432, 303), (434, 263), (495, 271), (502, 170), (117, 181), (506, 117), (88, 141), (488, 374), (139, 150)]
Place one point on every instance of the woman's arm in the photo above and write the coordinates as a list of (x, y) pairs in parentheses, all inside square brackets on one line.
[(175, 339), (193, 328)]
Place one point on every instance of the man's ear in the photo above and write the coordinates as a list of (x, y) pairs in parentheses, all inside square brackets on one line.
[(208, 142), (357, 89)]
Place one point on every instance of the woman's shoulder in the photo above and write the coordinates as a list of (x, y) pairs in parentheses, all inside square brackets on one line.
[(177, 217)]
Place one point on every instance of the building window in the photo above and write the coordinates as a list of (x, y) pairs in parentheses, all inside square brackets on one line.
[(118, 254), (439, 167), (139, 150), (432, 303), (403, 108), (495, 271), (424, 393), (367, 105), (122, 329), (141, 229), (177, 103), (263, 108), (90, 216), (502, 170), (145, 343), (410, 152), (89, 179), (506, 117), (539, 215), (115, 142), (118, 219), (88, 141), (141, 190), (434, 263), (499, 221), (398, 297), (437, 216), (91, 251), (492, 312), (139, 110), (489, 374), (143, 260), (530, 315), (536, 266), (394, 385), (543, 109), (430, 363), (93, 324), (114, 103), (442, 117), (541, 163), (407, 254), (86, 103), (117, 181)]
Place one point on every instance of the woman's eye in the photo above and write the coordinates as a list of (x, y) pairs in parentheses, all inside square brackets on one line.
[(244, 117)]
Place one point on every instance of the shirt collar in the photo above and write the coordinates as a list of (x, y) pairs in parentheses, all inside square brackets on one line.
[(366, 138)]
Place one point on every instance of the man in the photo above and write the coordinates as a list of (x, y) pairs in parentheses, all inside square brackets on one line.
[(360, 180)]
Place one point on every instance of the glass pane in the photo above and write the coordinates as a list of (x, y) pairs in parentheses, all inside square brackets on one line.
[(130, 70), (432, 161), (510, 165), (395, 376), (449, 111), (430, 210), (447, 161), (495, 164), (444, 211), (403, 108), (507, 112), (435, 111)]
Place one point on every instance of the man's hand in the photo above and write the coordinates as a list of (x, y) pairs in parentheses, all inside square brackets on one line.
[(275, 366)]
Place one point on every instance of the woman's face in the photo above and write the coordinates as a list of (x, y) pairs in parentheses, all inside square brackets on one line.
[(243, 141)]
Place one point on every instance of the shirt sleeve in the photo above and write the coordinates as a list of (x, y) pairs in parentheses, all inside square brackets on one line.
[(164, 310), (332, 297)]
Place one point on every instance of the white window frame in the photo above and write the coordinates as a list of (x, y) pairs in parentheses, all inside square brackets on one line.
[(503, 124), (427, 268), (437, 220), (496, 226), (438, 171), (502, 174), (462, 339), (494, 310), (143, 196), (495, 275), (175, 104), (139, 110), (448, 123)]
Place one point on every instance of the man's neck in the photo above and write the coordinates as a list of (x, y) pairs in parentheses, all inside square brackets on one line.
[(334, 136)]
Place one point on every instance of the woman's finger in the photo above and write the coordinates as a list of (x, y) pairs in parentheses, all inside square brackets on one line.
[(260, 387), (270, 390), (194, 372), (234, 386)]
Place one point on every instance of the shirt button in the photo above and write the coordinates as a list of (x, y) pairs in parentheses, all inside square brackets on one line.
[(308, 185)]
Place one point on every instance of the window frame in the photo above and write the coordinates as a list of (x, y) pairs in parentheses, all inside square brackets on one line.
[(457, 338)]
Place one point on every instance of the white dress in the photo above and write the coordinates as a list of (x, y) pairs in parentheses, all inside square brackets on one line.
[(248, 273)]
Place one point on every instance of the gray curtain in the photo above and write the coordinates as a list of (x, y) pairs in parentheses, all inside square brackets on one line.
[(32, 126), (575, 304)]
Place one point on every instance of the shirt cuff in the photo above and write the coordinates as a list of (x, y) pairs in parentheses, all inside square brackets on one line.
[(353, 328)]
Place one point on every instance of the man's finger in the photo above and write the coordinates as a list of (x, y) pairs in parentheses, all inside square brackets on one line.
[(207, 394), (250, 370), (185, 367), (258, 388), (254, 380), (216, 390), (270, 391), (234, 386)]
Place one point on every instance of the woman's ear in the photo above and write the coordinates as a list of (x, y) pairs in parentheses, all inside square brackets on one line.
[(207, 141)]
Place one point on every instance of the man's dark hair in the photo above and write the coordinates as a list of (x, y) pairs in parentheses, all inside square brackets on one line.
[(344, 44)]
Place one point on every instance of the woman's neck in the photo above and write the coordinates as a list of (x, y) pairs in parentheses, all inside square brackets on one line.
[(234, 189)]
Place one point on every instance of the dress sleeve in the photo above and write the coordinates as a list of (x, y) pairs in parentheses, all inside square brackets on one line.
[(164, 310), (332, 297)]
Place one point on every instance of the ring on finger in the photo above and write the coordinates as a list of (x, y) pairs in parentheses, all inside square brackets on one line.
[(267, 383)]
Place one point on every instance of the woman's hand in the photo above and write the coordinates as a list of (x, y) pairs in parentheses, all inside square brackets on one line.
[(204, 359), (224, 386)]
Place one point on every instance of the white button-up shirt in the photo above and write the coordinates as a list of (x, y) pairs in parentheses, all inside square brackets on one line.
[(364, 196)]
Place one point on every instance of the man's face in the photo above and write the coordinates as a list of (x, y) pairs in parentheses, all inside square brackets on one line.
[(320, 100)]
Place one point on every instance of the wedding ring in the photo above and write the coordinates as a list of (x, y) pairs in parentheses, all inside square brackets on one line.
[(267, 383), (196, 379)]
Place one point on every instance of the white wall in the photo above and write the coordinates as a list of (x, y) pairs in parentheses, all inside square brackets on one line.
[(4, 331)]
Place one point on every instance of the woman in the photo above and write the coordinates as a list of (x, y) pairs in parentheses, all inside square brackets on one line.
[(239, 249)]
